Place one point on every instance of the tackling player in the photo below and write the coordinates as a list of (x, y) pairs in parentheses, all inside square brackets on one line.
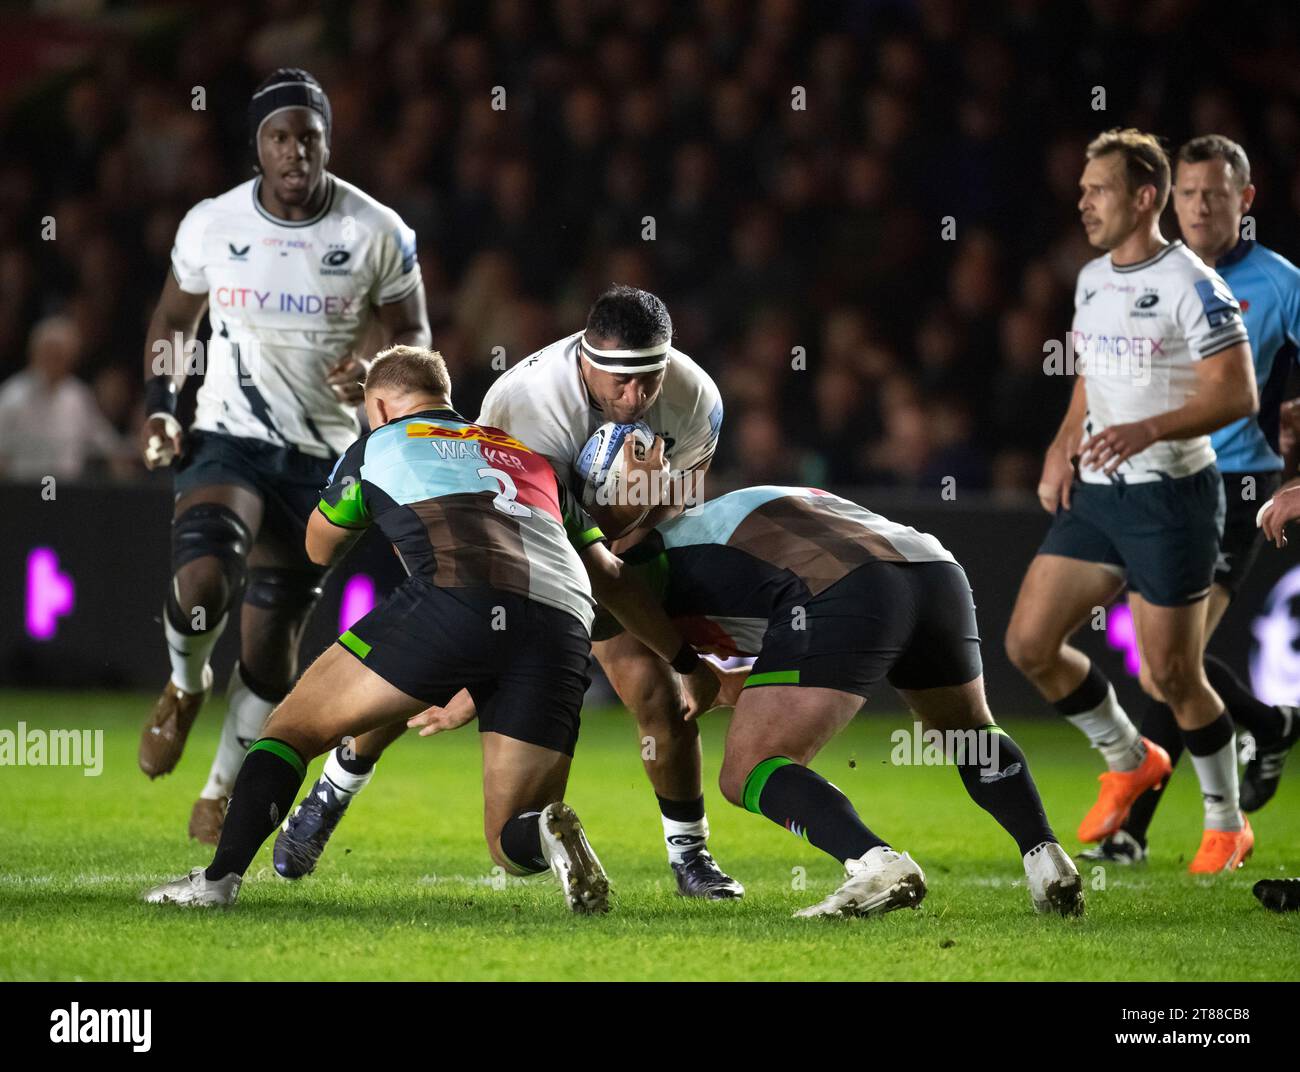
[(1163, 361), (1212, 192), (293, 267), (624, 368), (496, 601), (833, 598)]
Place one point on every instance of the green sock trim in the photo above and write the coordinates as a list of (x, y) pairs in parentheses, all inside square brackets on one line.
[(774, 677), (758, 778), (355, 644), (279, 748)]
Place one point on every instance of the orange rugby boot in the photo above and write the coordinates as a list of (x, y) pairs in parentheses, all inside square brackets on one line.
[(1119, 789), (1223, 850)]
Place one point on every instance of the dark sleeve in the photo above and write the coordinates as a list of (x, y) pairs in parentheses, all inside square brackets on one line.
[(342, 501)]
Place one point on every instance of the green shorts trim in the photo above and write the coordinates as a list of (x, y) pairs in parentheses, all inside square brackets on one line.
[(355, 644), (773, 677)]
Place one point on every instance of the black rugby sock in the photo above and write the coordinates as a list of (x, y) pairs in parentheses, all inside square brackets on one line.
[(269, 780), (997, 778), (521, 841), (808, 805), (1265, 723)]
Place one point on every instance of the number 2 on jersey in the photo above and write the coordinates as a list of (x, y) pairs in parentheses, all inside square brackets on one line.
[(506, 499)]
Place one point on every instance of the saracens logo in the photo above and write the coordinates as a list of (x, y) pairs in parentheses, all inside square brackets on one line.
[(1148, 301), (333, 261)]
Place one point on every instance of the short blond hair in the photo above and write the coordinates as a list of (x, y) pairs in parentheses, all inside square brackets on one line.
[(1145, 161), (409, 370)]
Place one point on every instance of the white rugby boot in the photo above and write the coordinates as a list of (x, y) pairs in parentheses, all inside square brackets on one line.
[(196, 891), (1053, 880), (565, 846), (881, 881)]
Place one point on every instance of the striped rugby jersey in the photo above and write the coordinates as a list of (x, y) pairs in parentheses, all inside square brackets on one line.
[(724, 568), (466, 506)]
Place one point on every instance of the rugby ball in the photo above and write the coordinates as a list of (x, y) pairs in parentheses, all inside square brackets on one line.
[(599, 465)]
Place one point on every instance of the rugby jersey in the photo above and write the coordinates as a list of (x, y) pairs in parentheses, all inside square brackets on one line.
[(466, 506), (288, 299), (1138, 331), (724, 568)]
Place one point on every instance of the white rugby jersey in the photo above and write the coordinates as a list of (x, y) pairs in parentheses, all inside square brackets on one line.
[(287, 300), (543, 402), (1137, 332)]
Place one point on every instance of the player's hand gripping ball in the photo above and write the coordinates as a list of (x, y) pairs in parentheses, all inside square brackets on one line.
[(621, 469)]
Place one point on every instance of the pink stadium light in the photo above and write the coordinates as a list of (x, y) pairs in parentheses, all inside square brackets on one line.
[(358, 599), (1121, 636), (50, 594)]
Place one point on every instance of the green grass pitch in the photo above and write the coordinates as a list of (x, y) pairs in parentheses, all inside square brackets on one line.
[(405, 890)]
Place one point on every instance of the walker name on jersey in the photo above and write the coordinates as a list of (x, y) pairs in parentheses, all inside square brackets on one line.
[(286, 302), (472, 442)]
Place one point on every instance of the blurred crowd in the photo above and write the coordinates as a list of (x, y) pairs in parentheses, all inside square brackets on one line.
[(871, 278)]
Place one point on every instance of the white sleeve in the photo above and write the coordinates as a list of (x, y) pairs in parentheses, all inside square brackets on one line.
[(511, 410), (1208, 316), (398, 271), (187, 250), (699, 443)]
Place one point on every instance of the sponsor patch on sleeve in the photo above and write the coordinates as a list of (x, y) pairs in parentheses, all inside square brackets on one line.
[(715, 419), (406, 243), (1219, 305)]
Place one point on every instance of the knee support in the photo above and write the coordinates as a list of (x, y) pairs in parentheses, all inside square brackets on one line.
[(210, 529), (283, 591)]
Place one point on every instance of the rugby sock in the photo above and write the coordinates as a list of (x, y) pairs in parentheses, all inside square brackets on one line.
[(521, 841), (1093, 708), (349, 773), (1214, 755), (1159, 725), (686, 830), (189, 651), (248, 708), (997, 778), (1267, 724), (264, 792), (808, 805)]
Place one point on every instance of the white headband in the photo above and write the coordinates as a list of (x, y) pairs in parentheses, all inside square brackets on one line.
[(646, 359)]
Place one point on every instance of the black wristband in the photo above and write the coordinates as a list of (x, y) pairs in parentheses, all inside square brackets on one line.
[(159, 396), (686, 659)]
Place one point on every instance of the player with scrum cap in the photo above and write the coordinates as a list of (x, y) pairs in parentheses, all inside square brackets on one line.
[(294, 267)]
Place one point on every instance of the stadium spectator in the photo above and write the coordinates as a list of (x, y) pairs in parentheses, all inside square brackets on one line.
[(812, 217), (50, 424)]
